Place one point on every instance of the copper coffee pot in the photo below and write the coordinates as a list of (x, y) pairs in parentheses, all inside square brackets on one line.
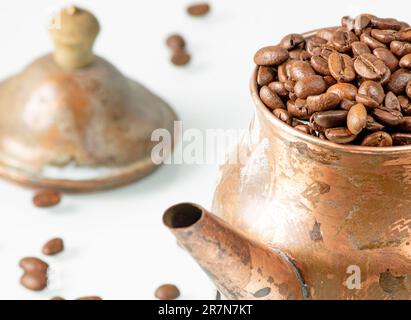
[(304, 218), (71, 121)]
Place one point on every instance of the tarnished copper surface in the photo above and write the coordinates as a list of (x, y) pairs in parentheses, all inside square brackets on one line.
[(240, 268), (331, 208)]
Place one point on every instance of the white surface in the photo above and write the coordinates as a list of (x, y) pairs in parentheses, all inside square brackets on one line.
[(116, 244)]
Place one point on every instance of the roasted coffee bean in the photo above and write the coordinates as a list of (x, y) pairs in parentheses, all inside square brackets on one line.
[(270, 98), (377, 139), (372, 89), (176, 42), (326, 51), (303, 128), (342, 40), (289, 85), (385, 36), (46, 198), (405, 34), (371, 42), (341, 67), (385, 23), (282, 72), (399, 80), (359, 48), (283, 115), (401, 139), (405, 124), (400, 48), (198, 9), (300, 69), (31, 264), (271, 56), (344, 90), (373, 125), (370, 67), (357, 118), (388, 117), (320, 65), (310, 86), (167, 292), (328, 119), (314, 45), (90, 298), (339, 135), (278, 87), (361, 22), (34, 280), (387, 57), (346, 104), (180, 58), (367, 101), (322, 102), (53, 247), (408, 89), (391, 102), (405, 61), (265, 75), (330, 81), (405, 105), (298, 109), (292, 41)]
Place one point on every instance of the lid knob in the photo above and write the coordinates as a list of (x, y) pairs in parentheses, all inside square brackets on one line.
[(74, 31)]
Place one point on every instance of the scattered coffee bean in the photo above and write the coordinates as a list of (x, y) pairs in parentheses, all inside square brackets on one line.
[(31, 264), (180, 58), (377, 139), (198, 9), (46, 198), (357, 118), (34, 280), (90, 298), (176, 42), (167, 292), (53, 247)]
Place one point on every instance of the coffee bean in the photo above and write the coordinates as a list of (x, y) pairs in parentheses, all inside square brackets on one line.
[(322, 102), (34, 280), (314, 45), (270, 98), (405, 105), (300, 69), (176, 42), (292, 41), (282, 72), (405, 124), (320, 65), (391, 102), (367, 101), (46, 198), (289, 85), (405, 34), (180, 58), (361, 22), (399, 80), (385, 36), (303, 128), (357, 118), (359, 48), (344, 90), (90, 298), (408, 89), (377, 139), (198, 9), (278, 87), (373, 125), (372, 89), (328, 119), (339, 135), (310, 86), (387, 57), (31, 264), (341, 67), (385, 23), (298, 109), (400, 48), (283, 115), (370, 67), (265, 75), (346, 104), (371, 42), (348, 23), (405, 61), (167, 292), (271, 56), (401, 139), (53, 247), (388, 117), (326, 51), (342, 40), (299, 54)]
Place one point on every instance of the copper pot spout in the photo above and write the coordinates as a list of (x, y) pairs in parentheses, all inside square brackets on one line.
[(239, 267)]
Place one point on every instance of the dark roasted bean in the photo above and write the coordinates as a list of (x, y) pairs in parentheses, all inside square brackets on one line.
[(373, 125), (372, 89), (265, 75), (270, 98), (405, 124), (322, 102), (341, 67), (271, 56), (401, 139), (387, 57), (405, 105), (342, 40), (357, 118), (371, 42), (314, 45), (399, 80), (320, 65), (385, 23), (298, 109), (388, 117), (278, 87), (328, 119), (370, 67), (310, 86), (339, 135), (377, 139), (292, 41), (346, 104), (344, 90), (300, 69), (391, 102)]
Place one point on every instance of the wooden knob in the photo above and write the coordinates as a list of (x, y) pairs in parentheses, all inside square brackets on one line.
[(74, 31)]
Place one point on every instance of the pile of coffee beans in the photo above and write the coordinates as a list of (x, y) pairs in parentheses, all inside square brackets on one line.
[(350, 84), (179, 54)]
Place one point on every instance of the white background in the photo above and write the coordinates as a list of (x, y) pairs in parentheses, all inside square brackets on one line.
[(116, 244)]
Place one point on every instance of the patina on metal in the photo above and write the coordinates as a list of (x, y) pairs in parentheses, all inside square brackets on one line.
[(341, 213), (72, 110)]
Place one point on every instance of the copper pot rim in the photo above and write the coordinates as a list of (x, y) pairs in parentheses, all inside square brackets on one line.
[(311, 139)]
